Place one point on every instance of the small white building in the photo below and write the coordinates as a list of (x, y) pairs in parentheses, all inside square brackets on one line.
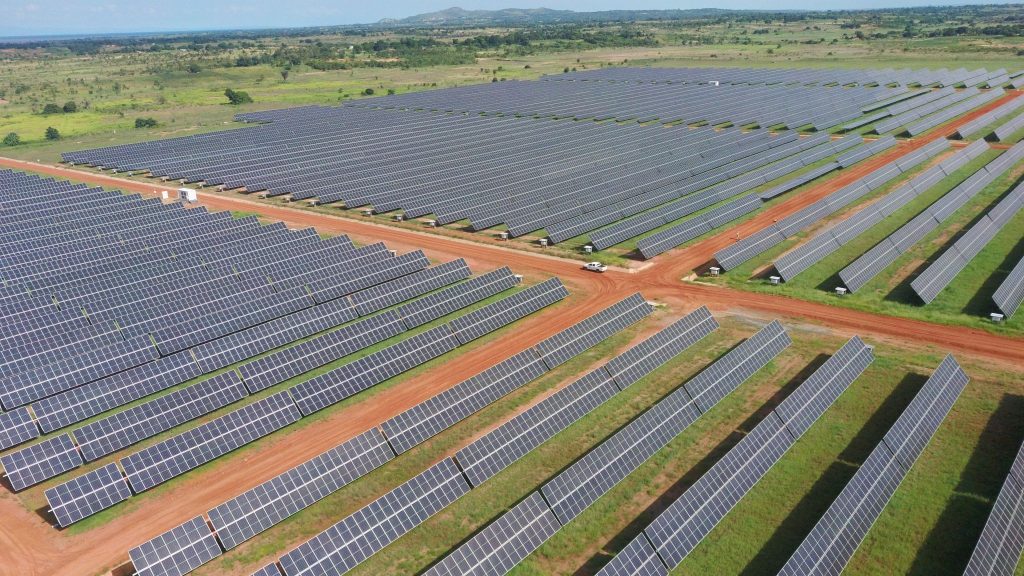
[(187, 195)]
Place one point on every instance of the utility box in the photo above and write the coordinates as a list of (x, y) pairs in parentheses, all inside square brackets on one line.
[(774, 280), (715, 271), (163, 195), (187, 195), (588, 249), (502, 235), (543, 241), (399, 218), (432, 223), (840, 291), (996, 317), (367, 212), (714, 82)]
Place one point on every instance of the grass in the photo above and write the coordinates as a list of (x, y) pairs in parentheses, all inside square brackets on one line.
[(944, 500), (967, 301)]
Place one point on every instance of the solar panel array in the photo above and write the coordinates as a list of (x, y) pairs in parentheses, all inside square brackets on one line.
[(444, 410), (838, 534), (499, 448), (928, 122), (1001, 544), (878, 258), (832, 238), (945, 268), (1010, 293), (1009, 128), (177, 551), (688, 520), (766, 238), (974, 128), (192, 448), (590, 477), (87, 495), (363, 533)]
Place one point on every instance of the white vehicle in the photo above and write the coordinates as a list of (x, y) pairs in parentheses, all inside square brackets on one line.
[(596, 266)]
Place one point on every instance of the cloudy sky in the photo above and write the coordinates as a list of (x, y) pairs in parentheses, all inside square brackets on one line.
[(37, 17)]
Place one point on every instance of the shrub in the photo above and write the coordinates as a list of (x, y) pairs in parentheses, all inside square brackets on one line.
[(236, 97), (52, 133), (52, 108), (194, 68), (145, 122), (70, 107), (368, 92), (12, 139)]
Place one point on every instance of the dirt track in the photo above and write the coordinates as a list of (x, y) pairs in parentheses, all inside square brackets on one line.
[(28, 545)]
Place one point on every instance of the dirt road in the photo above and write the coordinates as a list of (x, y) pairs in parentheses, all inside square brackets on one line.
[(29, 546)]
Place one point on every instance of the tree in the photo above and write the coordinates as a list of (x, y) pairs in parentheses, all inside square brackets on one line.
[(12, 139), (70, 107), (145, 122), (391, 91), (52, 108), (284, 74), (52, 133), (236, 97), (194, 68)]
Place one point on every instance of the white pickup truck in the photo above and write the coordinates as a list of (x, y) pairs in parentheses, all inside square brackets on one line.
[(596, 266)]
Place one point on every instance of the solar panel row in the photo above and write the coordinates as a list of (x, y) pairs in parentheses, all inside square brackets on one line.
[(177, 551), (838, 534), (1001, 544)]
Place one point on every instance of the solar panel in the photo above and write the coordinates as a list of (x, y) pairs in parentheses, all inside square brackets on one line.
[(279, 366), (725, 374), (444, 302), (193, 448), (559, 348), (342, 382), (803, 407), (1010, 294), (477, 323), (368, 530), (401, 289), (999, 548), (684, 524), (443, 410), (647, 356), (106, 436), (638, 558), (42, 461), (259, 508), (177, 551), (87, 494), (496, 450), (16, 427), (268, 570), (502, 544)]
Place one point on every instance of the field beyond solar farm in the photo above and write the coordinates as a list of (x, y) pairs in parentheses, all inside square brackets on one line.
[(369, 345)]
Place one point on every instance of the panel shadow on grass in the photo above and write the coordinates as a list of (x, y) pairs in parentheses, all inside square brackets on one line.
[(636, 526), (792, 531), (968, 508), (980, 304)]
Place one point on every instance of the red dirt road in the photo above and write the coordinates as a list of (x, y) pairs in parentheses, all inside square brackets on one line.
[(29, 546)]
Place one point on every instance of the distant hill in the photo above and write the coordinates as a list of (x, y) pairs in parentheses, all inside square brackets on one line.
[(520, 16)]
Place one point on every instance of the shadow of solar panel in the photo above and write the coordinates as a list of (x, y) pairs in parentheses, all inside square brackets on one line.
[(684, 524), (999, 548), (268, 570), (106, 436), (489, 318), (444, 302), (193, 448), (250, 342), (275, 368), (638, 558), (97, 397), (42, 461), (504, 543), (416, 284), (502, 446), (1010, 294), (716, 381), (911, 433), (647, 356), (256, 510), (368, 530), (88, 494), (559, 348), (177, 551), (838, 534), (16, 427), (334, 386), (444, 410), (808, 402)]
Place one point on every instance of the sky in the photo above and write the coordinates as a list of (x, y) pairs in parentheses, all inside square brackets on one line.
[(44, 17)]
